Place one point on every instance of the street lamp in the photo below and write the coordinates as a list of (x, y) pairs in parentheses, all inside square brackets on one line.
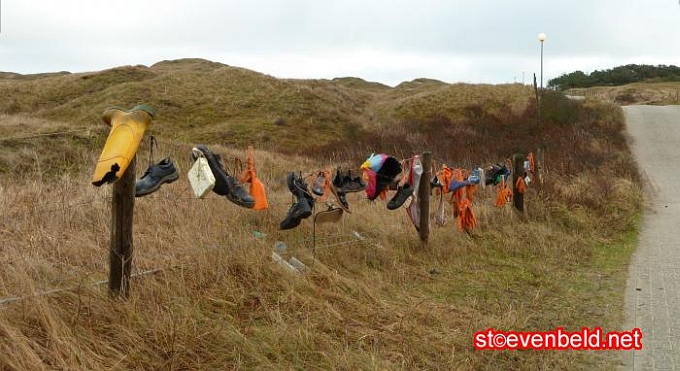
[(541, 38)]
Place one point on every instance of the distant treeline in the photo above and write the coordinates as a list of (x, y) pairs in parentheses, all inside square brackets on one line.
[(616, 76)]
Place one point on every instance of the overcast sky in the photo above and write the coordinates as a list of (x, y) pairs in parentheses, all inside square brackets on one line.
[(379, 40)]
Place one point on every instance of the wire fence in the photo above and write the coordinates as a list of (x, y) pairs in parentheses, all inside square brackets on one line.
[(349, 238), (62, 208), (14, 299), (41, 207), (49, 134), (95, 266)]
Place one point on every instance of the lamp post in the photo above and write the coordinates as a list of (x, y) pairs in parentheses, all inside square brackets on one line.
[(541, 38)]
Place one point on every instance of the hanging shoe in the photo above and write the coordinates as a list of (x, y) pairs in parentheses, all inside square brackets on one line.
[(403, 193), (338, 189), (353, 183), (156, 175), (238, 195), (127, 131), (299, 189), (302, 193), (225, 184), (435, 183), (302, 207), (300, 210), (319, 184)]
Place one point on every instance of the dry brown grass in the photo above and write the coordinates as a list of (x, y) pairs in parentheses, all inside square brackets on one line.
[(384, 303), (221, 303)]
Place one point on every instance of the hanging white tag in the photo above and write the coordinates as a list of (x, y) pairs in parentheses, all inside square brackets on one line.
[(201, 178)]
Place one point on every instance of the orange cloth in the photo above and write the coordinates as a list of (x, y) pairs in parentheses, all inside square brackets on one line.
[(504, 194), (256, 186), (470, 191), (462, 200), (445, 176), (521, 185), (466, 219)]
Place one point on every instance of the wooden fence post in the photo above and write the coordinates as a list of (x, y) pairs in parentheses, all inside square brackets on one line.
[(517, 171), (122, 213), (539, 102), (424, 197), (540, 164)]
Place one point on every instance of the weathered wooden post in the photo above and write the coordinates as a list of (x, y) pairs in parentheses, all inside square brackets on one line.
[(424, 197), (538, 103), (540, 164), (122, 212), (116, 165), (517, 172)]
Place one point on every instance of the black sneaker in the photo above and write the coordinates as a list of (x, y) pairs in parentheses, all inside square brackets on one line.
[(225, 184), (156, 175), (403, 193)]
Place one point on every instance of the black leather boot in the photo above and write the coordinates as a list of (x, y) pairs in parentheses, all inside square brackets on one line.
[(237, 194), (302, 207), (338, 188), (300, 210), (301, 192), (403, 193)]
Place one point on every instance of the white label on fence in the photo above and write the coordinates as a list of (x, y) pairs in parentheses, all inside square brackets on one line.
[(201, 178)]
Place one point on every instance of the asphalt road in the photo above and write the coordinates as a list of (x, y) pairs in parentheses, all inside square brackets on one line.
[(653, 288)]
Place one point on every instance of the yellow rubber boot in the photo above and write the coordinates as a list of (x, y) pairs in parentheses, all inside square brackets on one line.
[(127, 131)]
